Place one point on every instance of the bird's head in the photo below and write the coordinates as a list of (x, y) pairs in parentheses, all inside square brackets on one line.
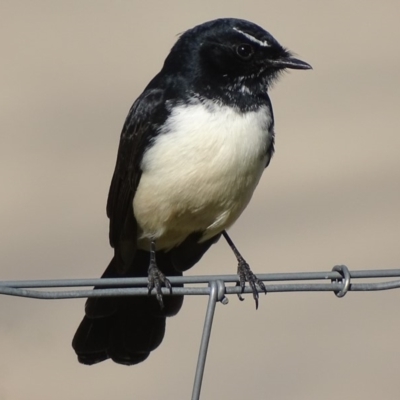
[(231, 53)]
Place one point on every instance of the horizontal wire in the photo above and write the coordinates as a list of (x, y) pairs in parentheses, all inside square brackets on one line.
[(288, 276), (130, 287)]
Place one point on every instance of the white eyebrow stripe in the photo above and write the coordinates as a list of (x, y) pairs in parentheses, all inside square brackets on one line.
[(263, 43)]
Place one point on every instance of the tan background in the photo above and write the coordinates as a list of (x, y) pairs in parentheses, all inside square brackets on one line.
[(69, 73)]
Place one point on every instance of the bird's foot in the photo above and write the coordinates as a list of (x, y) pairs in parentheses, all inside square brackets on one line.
[(156, 280), (247, 275)]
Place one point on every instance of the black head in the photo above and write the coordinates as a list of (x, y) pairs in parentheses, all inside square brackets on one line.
[(230, 54)]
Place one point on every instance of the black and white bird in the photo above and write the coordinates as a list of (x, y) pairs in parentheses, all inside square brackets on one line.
[(192, 151)]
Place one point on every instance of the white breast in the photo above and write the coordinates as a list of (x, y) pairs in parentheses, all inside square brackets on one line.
[(201, 172)]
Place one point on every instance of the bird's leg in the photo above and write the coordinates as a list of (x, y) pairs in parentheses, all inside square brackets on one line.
[(156, 277), (245, 273)]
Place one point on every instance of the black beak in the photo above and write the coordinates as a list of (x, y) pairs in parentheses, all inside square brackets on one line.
[(290, 62)]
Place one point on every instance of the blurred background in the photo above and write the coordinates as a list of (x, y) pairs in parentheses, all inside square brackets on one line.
[(70, 71)]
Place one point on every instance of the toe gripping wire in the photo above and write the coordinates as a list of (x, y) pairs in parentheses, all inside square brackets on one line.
[(345, 280)]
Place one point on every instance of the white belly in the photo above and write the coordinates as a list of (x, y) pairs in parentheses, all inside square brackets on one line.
[(200, 173)]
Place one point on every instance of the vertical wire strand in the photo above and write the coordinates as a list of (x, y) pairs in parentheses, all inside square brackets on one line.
[(205, 339)]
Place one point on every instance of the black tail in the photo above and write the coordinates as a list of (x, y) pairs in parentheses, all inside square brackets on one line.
[(125, 329)]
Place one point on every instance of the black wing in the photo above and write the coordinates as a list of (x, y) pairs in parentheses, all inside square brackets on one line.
[(141, 125)]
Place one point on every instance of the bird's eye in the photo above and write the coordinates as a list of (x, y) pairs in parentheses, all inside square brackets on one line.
[(244, 51)]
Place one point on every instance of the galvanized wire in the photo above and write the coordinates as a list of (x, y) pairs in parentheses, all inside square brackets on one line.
[(340, 281), (137, 286)]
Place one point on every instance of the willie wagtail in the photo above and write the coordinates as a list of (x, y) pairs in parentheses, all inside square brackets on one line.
[(192, 150)]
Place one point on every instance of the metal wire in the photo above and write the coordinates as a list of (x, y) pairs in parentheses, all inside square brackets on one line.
[(137, 286), (340, 281), (216, 294)]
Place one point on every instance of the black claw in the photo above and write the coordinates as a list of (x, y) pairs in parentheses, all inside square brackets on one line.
[(246, 274), (155, 277), (156, 280), (239, 295)]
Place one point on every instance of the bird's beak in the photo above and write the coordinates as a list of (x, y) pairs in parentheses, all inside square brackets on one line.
[(290, 62)]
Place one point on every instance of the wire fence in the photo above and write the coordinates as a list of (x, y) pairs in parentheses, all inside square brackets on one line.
[(340, 281)]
